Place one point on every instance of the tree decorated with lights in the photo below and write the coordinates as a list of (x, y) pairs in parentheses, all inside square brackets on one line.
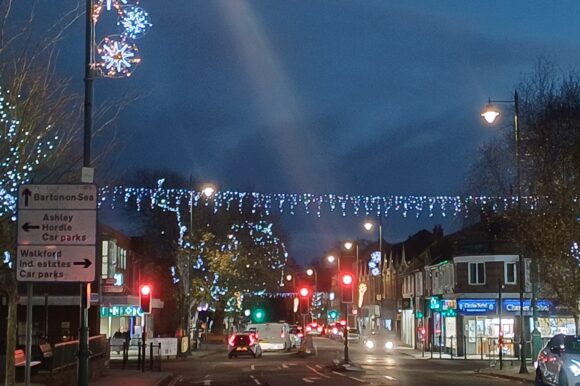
[(246, 261)]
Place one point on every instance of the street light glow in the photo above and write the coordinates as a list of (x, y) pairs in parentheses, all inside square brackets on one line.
[(490, 114), (208, 191), (330, 258), (368, 225), (288, 277), (310, 272), (348, 245)]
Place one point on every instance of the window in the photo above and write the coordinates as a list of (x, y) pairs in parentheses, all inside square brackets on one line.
[(476, 273), (510, 273), (105, 259)]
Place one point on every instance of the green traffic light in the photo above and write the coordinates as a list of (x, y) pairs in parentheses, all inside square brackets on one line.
[(333, 314), (259, 315)]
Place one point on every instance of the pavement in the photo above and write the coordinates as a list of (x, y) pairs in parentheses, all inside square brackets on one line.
[(120, 377), (510, 368)]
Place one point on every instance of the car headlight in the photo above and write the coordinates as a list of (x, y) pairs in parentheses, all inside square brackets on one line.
[(370, 344), (389, 345), (574, 367)]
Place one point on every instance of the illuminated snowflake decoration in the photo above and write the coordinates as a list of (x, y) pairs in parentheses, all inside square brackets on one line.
[(118, 56), (135, 22), (109, 5), (375, 263)]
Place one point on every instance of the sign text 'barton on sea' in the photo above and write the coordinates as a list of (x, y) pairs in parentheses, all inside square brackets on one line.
[(57, 228)]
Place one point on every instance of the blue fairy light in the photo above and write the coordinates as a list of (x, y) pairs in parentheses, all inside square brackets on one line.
[(135, 22)]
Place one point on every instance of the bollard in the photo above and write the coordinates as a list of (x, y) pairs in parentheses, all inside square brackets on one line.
[(159, 357), (139, 356), (151, 356), (124, 355), (432, 344), (440, 345), (481, 347), (423, 347), (451, 348), (144, 356), (464, 347)]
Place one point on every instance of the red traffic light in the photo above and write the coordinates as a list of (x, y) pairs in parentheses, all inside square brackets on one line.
[(347, 279), (145, 290), (304, 292)]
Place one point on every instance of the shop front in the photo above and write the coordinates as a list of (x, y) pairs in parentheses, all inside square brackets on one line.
[(407, 322), (122, 318)]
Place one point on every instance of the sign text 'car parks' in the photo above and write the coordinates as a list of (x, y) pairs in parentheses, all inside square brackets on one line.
[(57, 229)]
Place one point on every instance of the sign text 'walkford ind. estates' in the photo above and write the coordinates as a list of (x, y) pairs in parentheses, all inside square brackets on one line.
[(57, 228)]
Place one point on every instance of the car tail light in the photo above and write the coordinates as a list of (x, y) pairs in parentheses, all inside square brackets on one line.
[(232, 340), (314, 324), (300, 335), (308, 328), (252, 340), (282, 335), (335, 330), (319, 328)]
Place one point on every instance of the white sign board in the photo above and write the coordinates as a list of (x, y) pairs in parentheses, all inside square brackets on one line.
[(57, 233)]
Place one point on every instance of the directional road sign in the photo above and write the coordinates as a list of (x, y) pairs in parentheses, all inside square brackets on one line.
[(57, 228)]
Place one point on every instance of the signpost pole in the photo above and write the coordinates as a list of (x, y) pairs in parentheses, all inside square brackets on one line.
[(29, 293)]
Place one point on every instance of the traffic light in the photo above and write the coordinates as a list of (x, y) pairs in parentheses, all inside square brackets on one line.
[(304, 293), (145, 298), (500, 339), (258, 315), (332, 314), (347, 284)]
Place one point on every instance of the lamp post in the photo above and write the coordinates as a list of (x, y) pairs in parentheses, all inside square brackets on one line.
[(368, 225), (490, 114), (291, 278)]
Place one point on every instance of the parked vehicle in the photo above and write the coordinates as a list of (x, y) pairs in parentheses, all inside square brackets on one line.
[(558, 362), (244, 344), (353, 335), (272, 336), (314, 328)]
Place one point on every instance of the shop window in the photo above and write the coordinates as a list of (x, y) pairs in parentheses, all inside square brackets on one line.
[(510, 273), (476, 273)]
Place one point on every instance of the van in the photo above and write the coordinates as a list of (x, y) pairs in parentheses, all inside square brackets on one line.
[(272, 336)]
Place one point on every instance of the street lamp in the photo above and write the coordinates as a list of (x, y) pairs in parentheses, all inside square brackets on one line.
[(311, 272), (490, 114), (368, 225)]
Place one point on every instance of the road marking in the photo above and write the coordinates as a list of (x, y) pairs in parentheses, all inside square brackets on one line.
[(318, 372), (319, 366), (357, 379), (308, 380), (284, 366), (341, 374), (253, 367), (390, 378), (255, 380), (207, 382)]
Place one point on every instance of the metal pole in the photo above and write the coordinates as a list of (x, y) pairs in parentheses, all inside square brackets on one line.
[(500, 333), (46, 317), (83, 353), (346, 358), (29, 294), (523, 368)]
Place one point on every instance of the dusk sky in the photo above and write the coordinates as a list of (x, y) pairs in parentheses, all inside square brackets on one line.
[(373, 97)]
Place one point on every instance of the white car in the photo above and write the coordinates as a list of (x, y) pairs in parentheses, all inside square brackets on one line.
[(559, 362)]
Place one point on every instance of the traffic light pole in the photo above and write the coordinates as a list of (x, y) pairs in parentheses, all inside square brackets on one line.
[(346, 358)]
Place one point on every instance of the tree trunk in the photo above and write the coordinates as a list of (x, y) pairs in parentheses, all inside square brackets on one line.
[(218, 319), (577, 322), (12, 293)]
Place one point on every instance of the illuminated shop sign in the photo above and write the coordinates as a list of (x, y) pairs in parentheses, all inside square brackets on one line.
[(477, 306), (513, 305), (119, 311)]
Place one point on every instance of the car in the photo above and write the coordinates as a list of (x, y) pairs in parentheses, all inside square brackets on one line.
[(558, 362), (296, 335), (381, 341), (272, 336), (245, 343), (314, 328)]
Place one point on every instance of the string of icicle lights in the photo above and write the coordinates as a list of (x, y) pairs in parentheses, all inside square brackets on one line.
[(317, 204)]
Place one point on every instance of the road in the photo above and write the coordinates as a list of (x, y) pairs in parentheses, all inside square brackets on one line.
[(290, 369)]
